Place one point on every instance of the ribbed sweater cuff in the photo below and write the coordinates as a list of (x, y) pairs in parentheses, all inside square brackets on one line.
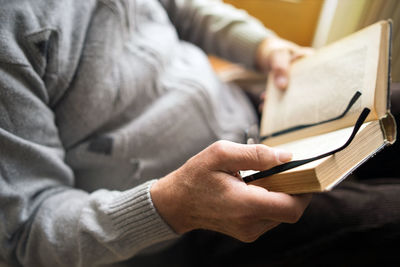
[(134, 216), (247, 37)]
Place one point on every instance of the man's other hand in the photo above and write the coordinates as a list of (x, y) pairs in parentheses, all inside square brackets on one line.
[(276, 55), (207, 193)]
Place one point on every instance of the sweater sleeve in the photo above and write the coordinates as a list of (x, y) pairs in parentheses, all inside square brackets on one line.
[(44, 220), (218, 28)]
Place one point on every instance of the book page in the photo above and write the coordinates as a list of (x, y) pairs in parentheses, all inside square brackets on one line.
[(319, 144), (322, 86)]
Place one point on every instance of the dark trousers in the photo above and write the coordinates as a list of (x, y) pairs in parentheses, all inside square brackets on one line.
[(357, 224)]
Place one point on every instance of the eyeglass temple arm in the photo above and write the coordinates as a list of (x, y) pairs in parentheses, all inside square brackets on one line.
[(296, 163), (353, 100)]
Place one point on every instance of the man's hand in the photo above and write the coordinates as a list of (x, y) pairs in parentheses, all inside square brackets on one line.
[(276, 55), (206, 193)]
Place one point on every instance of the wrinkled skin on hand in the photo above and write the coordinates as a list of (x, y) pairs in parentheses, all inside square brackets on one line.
[(207, 193)]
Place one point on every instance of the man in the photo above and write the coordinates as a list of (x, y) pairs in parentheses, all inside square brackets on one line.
[(99, 99)]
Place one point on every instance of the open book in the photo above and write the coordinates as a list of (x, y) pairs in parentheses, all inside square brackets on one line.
[(316, 114)]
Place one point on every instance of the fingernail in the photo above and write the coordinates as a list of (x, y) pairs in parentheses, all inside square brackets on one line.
[(282, 155), (281, 81)]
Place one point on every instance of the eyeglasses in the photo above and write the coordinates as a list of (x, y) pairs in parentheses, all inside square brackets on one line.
[(296, 163)]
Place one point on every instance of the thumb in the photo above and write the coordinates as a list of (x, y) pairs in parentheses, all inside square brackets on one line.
[(232, 157)]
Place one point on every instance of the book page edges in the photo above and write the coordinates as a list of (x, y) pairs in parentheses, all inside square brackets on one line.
[(283, 182), (389, 81), (389, 131), (345, 175), (382, 87), (308, 178)]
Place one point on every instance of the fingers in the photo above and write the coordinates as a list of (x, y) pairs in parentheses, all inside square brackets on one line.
[(276, 55), (232, 157), (280, 61), (262, 101), (257, 211), (275, 206), (252, 232), (303, 52)]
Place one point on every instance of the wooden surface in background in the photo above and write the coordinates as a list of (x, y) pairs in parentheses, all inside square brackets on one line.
[(295, 20)]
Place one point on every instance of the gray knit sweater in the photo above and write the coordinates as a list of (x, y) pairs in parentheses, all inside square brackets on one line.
[(97, 100)]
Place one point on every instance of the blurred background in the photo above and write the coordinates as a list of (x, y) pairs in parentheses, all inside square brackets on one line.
[(319, 22)]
